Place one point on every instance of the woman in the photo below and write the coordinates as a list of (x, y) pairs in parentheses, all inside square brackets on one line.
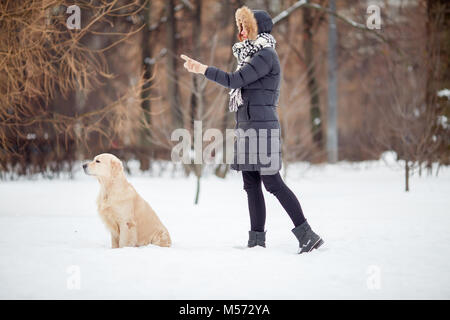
[(255, 90)]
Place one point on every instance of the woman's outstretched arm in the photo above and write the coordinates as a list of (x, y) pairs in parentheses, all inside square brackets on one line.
[(258, 66)]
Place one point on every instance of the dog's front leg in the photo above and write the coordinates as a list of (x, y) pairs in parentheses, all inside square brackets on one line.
[(128, 234), (114, 241)]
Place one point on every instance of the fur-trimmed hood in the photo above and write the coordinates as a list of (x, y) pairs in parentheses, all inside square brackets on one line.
[(255, 21)]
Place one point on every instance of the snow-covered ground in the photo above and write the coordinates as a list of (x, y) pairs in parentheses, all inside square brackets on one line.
[(380, 242)]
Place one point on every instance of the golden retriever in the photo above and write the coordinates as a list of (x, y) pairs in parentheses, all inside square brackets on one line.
[(129, 218)]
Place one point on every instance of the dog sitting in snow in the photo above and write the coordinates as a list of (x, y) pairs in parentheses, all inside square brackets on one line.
[(129, 218)]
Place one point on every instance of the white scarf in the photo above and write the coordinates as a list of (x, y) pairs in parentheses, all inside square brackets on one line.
[(243, 51)]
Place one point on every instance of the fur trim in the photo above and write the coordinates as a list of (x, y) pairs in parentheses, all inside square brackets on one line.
[(244, 17)]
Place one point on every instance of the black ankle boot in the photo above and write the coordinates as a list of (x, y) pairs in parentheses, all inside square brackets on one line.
[(308, 239), (256, 238)]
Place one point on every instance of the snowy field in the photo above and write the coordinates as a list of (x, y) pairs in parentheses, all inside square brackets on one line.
[(380, 242)]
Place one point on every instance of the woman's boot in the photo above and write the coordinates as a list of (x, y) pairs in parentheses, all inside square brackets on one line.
[(256, 238), (308, 239)]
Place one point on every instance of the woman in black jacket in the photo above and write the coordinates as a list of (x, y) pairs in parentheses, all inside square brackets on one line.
[(254, 95)]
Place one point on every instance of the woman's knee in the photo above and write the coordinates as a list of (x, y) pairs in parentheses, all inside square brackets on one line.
[(273, 183)]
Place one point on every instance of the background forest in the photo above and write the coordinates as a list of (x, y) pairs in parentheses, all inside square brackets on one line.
[(350, 91)]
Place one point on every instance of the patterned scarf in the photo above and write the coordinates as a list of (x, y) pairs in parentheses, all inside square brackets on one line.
[(243, 51)]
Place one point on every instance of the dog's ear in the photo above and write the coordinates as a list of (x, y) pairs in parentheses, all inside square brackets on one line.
[(116, 167)]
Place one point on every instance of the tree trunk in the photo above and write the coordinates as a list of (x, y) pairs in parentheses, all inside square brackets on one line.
[(146, 50), (315, 114), (196, 52), (406, 175), (172, 78), (332, 132), (197, 193)]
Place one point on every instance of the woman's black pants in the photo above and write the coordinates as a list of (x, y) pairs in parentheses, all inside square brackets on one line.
[(275, 185)]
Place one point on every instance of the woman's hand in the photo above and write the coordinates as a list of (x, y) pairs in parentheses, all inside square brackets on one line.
[(193, 66)]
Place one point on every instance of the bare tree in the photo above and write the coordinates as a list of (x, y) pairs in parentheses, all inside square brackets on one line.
[(43, 64), (408, 101)]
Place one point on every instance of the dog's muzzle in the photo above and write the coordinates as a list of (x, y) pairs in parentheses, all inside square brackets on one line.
[(85, 168)]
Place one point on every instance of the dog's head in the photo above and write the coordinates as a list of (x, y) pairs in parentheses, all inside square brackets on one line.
[(104, 165)]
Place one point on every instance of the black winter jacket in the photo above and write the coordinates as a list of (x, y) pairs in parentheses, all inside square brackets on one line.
[(259, 80)]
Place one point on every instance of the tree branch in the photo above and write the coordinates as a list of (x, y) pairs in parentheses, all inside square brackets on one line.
[(304, 3)]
